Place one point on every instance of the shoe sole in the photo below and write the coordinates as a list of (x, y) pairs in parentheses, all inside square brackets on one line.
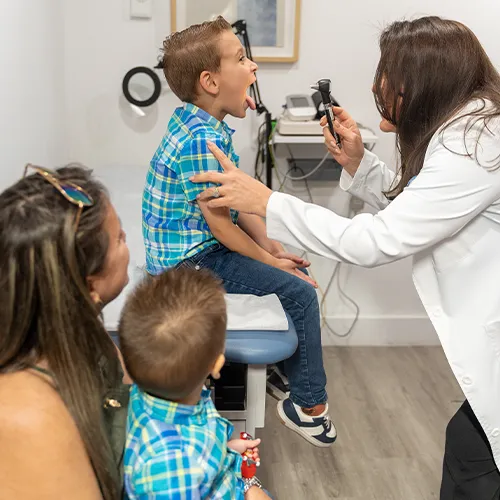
[(295, 428), (275, 393)]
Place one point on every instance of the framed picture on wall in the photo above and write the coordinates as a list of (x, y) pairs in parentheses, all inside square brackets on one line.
[(273, 25)]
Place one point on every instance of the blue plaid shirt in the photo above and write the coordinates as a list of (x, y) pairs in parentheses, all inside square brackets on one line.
[(173, 226), (179, 452)]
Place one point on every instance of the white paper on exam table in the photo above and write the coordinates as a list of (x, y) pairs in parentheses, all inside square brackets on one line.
[(249, 312)]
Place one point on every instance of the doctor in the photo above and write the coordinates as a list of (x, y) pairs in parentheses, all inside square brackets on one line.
[(436, 88)]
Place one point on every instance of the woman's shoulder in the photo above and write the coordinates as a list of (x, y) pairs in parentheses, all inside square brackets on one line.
[(30, 403), (43, 455)]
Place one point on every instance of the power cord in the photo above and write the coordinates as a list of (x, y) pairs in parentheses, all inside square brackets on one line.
[(287, 175), (312, 172)]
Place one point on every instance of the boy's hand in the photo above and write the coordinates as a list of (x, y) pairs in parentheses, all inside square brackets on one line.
[(294, 258), (292, 267), (243, 445)]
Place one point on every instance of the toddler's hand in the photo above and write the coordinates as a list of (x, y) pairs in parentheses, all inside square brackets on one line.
[(243, 445)]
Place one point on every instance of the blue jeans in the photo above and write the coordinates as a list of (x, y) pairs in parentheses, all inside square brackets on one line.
[(243, 275)]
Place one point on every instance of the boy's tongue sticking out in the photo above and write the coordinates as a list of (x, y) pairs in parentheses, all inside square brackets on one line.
[(250, 103)]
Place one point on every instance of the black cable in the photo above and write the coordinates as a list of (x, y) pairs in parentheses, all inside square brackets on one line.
[(240, 29), (257, 158), (259, 155)]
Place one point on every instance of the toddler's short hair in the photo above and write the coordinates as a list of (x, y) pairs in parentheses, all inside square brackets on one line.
[(172, 329)]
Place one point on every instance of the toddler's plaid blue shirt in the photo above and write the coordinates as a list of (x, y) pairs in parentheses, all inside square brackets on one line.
[(179, 452)]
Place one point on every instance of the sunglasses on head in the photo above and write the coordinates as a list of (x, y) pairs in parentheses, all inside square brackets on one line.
[(73, 193)]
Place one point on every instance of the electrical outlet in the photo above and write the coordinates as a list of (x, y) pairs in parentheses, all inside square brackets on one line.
[(141, 8)]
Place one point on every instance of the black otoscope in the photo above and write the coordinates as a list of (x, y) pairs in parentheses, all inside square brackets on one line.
[(324, 88)]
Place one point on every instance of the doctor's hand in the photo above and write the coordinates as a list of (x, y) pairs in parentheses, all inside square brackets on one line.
[(353, 150), (235, 189)]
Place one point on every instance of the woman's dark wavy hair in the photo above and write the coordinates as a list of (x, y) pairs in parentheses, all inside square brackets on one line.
[(429, 69), (46, 311)]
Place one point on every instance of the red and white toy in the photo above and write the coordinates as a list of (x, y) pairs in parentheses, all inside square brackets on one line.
[(250, 464)]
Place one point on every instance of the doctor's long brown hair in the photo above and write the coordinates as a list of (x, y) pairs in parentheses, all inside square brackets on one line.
[(46, 312), (429, 69)]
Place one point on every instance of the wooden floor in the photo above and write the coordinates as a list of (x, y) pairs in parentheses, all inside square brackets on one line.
[(390, 406)]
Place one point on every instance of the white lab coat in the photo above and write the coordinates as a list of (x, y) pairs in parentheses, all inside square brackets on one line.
[(448, 219)]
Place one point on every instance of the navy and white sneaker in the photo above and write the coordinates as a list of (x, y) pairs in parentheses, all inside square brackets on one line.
[(277, 384), (318, 430)]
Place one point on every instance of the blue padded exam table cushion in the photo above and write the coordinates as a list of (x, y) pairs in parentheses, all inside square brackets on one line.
[(261, 347)]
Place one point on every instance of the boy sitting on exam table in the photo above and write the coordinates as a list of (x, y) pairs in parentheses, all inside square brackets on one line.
[(206, 68)]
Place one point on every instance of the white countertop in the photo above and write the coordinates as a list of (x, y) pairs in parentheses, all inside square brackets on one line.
[(367, 136)]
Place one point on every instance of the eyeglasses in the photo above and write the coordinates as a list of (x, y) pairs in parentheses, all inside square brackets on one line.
[(73, 193)]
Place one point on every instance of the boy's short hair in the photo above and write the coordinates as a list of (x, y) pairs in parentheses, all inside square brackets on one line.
[(172, 329), (187, 53)]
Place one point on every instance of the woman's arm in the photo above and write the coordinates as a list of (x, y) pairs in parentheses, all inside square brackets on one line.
[(448, 193), (372, 179), (42, 456), (363, 174), (450, 190)]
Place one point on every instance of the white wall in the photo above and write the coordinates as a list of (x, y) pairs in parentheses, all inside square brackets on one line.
[(338, 40), (31, 86)]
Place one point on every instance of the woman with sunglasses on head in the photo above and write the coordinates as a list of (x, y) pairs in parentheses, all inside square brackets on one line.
[(436, 88), (63, 256)]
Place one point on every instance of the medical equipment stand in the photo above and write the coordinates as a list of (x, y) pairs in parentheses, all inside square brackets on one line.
[(240, 29)]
